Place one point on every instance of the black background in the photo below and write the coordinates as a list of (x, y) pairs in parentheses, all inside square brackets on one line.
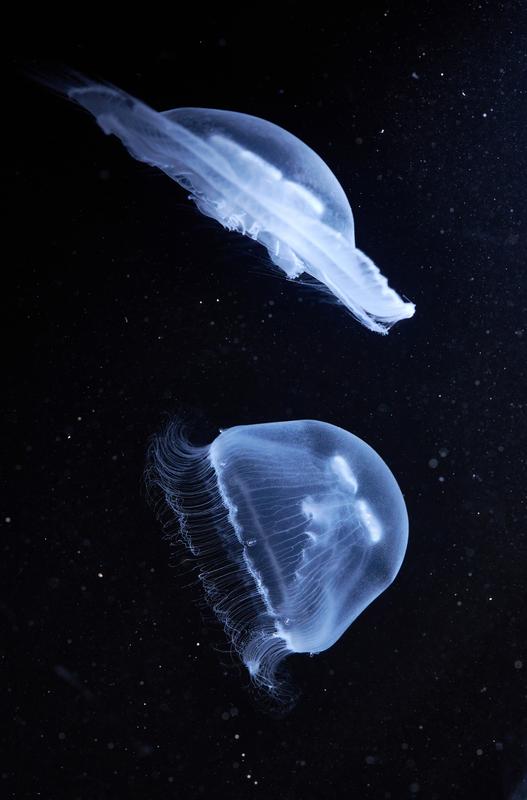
[(125, 306)]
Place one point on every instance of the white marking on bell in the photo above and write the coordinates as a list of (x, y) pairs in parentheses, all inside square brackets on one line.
[(370, 521), (341, 467)]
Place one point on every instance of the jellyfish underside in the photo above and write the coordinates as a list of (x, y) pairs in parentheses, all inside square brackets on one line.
[(296, 528), (256, 178)]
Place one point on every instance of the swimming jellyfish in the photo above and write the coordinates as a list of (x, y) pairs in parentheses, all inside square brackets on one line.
[(295, 526), (256, 178)]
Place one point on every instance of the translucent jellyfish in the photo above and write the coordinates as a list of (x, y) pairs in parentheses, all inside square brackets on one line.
[(256, 178), (296, 527)]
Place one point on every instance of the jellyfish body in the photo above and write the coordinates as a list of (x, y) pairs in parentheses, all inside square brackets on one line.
[(256, 178), (296, 528)]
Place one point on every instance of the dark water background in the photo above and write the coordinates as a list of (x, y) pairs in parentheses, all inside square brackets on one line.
[(124, 305)]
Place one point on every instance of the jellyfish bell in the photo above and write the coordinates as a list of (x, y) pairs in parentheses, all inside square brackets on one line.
[(256, 178), (296, 526)]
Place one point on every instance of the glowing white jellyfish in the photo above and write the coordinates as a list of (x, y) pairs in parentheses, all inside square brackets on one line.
[(256, 178), (296, 528)]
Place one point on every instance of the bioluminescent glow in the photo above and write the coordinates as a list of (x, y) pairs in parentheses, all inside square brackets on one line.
[(296, 527), (256, 178)]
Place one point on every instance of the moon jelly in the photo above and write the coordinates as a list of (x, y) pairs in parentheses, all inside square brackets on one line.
[(296, 527), (256, 178)]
